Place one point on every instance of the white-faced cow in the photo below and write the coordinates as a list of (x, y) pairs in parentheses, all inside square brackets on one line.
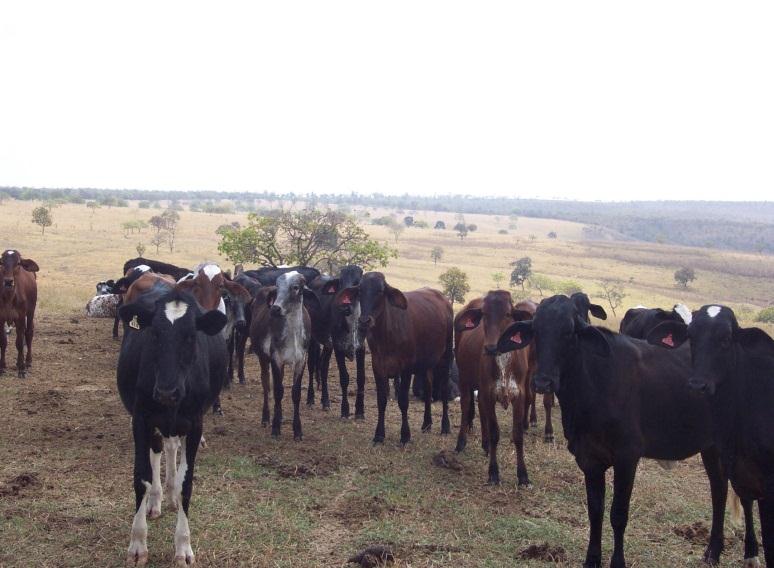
[(734, 367), (18, 299), (279, 333), (170, 370)]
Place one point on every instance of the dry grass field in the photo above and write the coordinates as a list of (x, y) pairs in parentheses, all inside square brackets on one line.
[(66, 495)]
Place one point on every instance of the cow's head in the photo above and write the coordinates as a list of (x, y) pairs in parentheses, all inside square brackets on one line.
[(11, 262), (584, 306), (346, 335), (289, 295), (714, 334), (105, 287), (214, 290), (372, 294), (558, 330), (172, 349), (494, 315)]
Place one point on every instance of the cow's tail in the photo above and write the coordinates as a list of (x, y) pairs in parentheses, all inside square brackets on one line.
[(734, 506)]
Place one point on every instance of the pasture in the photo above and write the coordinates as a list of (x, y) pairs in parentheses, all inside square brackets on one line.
[(66, 494)]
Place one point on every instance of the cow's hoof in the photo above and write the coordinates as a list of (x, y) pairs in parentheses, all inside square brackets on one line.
[(326, 407), (378, 440), (548, 438), (217, 411), (137, 555), (22, 374), (525, 484), (154, 505), (360, 416), (298, 437), (493, 480), (751, 563), (533, 424), (185, 559), (427, 427)]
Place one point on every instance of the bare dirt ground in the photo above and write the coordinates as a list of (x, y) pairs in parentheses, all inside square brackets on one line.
[(66, 494)]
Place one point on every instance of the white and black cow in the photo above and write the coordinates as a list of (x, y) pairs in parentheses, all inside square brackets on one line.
[(280, 331), (170, 370)]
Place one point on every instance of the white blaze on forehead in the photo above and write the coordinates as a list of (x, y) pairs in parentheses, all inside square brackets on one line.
[(211, 270), (174, 310), (142, 268), (683, 311), (713, 311), (10, 251)]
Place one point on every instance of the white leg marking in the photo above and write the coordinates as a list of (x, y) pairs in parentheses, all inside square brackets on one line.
[(137, 555), (170, 458), (154, 499), (183, 553)]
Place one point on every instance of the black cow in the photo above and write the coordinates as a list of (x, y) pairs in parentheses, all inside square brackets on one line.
[(735, 366), (268, 275), (621, 400), (640, 321), (170, 371), (237, 341), (157, 266)]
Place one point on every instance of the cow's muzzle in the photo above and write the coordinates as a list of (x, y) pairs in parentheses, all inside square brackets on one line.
[(275, 311), (8, 283), (701, 384), (166, 397), (365, 324), (240, 324), (490, 350), (544, 384)]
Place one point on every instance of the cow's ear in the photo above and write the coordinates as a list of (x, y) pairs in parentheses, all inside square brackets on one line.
[(136, 315), (29, 265), (516, 336), (331, 287), (594, 339), (521, 315), (311, 300), (468, 319), (669, 334), (237, 291), (186, 285), (271, 295), (346, 297), (395, 297), (110, 283), (598, 311), (755, 338), (211, 322)]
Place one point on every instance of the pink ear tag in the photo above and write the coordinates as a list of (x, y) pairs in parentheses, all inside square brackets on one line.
[(517, 338), (332, 289), (668, 341), (469, 324)]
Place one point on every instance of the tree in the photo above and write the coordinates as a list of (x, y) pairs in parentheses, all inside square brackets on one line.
[(439, 225), (309, 237), (462, 230), (541, 283), (497, 278), (171, 217), (93, 205), (455, 285), (140, 249), (436, 254), (472, 228), (396, 229), (568, 287), (613, 292), (685, 276), (766, 315), (408, 221), (42, 216), (158, 239), (552, 235), (522, 270)]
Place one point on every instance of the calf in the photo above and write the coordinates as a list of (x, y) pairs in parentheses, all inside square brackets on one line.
[(105, 287), (175, 272), (734, 366), (122, 285), (18, 299), (621, 400), (279, 334), (501, 378), (103, 306), (640, 321), (170, 371), (468, 378), (406, 333), (238, 340)]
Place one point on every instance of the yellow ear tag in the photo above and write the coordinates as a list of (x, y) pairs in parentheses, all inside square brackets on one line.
[(134, 324)]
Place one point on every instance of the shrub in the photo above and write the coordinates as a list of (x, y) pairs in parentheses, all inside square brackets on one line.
[(766, 315)]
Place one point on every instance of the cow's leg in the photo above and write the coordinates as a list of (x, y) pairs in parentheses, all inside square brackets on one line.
[(298, 376), (184, 555), (323, 368), (241, 343), (343, 381), (750, 540), (595, 504), (314, 363), (623, 483), (3, 346), (29, 333), (445, 423), (382, 392), (719, 492), (117, 318), (230, 344), (489, 415), (520, 407), (533, 421), (155, 494), (548, 404), (216, 408), (484, 424), (403, 403), (426, 378), (265, 365), (466, 395), (20, 332), (137, 554), (171, 445), (279, 390), (360, 380), (766, 512)]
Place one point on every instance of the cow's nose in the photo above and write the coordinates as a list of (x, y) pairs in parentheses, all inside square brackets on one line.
[(275, 311), (490, 350), (543, 384), (698, 384), (240, 324), (8, 282), (166, 397)]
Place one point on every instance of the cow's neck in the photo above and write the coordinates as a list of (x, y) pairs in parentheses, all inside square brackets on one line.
[(579, 392), (293, 331), (389, 329)]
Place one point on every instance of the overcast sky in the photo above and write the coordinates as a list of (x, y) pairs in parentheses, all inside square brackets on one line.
[(585, 100)]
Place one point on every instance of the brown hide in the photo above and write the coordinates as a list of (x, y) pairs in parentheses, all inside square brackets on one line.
[(18, 299)]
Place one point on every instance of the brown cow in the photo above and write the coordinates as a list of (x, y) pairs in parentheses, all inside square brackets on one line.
[(468, 378), (407, 334), (18, 299), (501, 379)]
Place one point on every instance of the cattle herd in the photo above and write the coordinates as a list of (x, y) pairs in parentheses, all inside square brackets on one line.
[(670, 385)]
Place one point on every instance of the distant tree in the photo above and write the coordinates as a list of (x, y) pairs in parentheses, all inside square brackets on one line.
[(497, 278), (158, 239), (93, 205), (143, 205), (766, 315), (552, 235), (462, 230), (4, 196), (396, 229), (140, 248), (421, 224), (472, 228), (541, 283), (522, 270), (502, 232), (436, 254), (455, 285), (533, 237), (408, 220), (685, 276), (439, 225), (42, 216), (171, 218), (568, 287), (613, 292)]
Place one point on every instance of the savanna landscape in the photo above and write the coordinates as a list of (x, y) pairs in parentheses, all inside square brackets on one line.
[(66, 494)]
